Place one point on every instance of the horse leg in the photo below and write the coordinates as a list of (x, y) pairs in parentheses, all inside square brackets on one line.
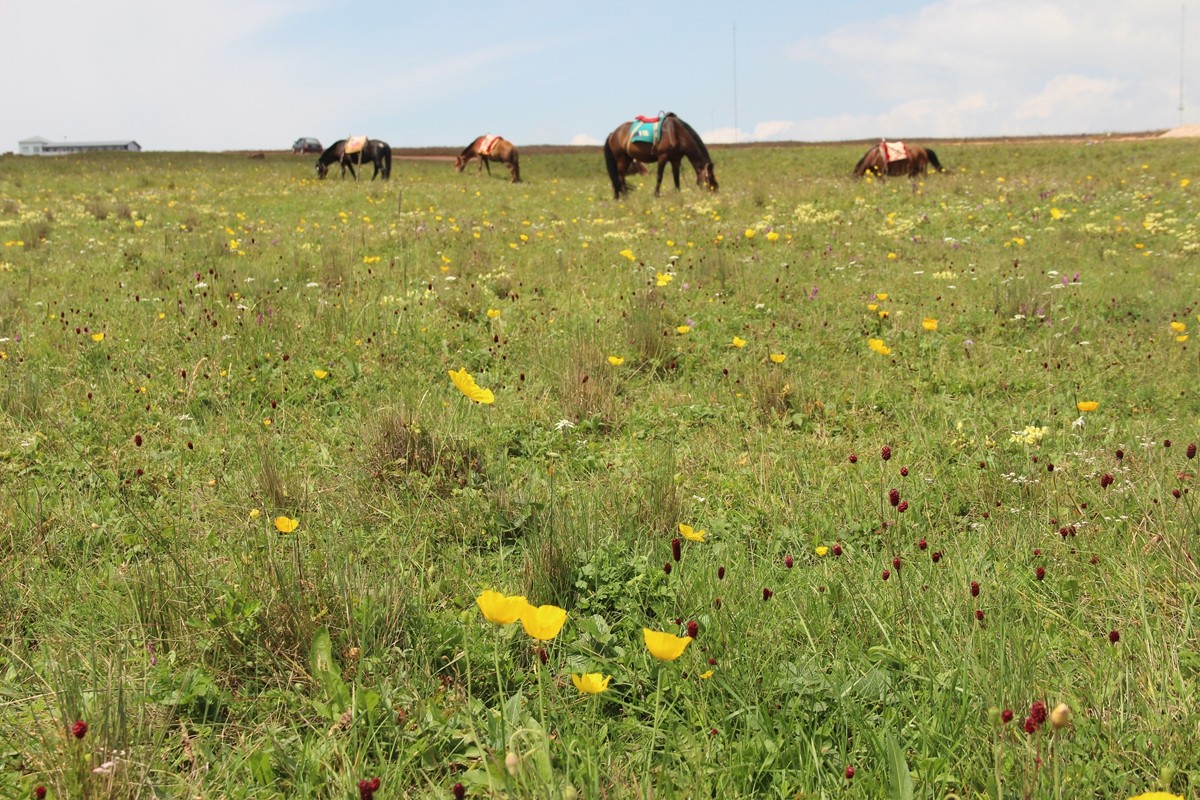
[(487, 162), (662, 165), (675, 172)]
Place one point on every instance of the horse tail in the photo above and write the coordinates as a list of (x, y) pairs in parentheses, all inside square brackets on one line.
[(387, 160), (516, 165), (610, 161), (934, 161), (861, 167)]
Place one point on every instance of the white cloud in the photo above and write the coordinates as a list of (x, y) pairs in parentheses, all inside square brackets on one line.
[(583, 139)]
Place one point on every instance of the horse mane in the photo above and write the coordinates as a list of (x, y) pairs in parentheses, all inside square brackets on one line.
[(692, 131), (470, 149)]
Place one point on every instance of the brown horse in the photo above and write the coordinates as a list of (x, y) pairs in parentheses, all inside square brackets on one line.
[(913, 160), (676, 140), (487, 149)]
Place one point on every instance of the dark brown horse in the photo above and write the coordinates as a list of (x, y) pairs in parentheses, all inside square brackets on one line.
[(676, 140), (375, 152), (490, 148), (897, 158)]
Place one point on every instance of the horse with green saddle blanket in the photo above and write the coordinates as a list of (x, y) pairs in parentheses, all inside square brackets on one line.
[(665, 139)]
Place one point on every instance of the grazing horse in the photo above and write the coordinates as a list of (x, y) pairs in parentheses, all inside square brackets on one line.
[(672, 141), (897, 158), (373, 151), (490, 148)]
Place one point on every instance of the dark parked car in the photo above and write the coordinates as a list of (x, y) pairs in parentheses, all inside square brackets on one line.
[(306, 145)]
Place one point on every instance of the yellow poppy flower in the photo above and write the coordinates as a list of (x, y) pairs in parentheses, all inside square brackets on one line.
[(627, 253), (466, 384), (779, 358), (320, 374), (286, 524), (98, 337), (739, 342), (1157, 796), (1178, 327), (772, 237), (663, 278), (881, 295), (616, 361), (1087, 405), (254, 513), (706, 675), (493, 313), (591, 682), (879, 347), (1181, 337), (681, 329), (665, 646), (690, 533), (822, 550), (872, 306), (500, 608), (543, 622), (750, 233), (929, 324)]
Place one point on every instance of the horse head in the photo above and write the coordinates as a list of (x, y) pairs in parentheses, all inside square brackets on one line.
[(460, 163), (706, 178), (322, 169)]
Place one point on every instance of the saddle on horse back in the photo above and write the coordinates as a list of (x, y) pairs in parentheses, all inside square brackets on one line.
[(893, 151), (487, 144), (646, 130), (354, 144)]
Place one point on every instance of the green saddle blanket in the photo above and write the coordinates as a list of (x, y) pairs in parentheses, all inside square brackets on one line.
[(645, 131)]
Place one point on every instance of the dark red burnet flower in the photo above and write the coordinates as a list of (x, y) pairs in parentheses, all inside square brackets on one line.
[(853, 458), (1176, 493), (79, 729), (979, 614), (896, 563), (767, 594), (1039, 712), (850, 772), (721, 573), (667, 567), (903, 506), (1114, 636), (894, 497), (1120, 454), (974, 588), (885, 453), (137, 440), (921, 545), (1106, 480), (459, 791), (936, 556), (788, 561), (1040, 573), (837, 549), (1166, 442), (1030, 725), (1006, 716), (368, 788), (1191, 450), (693, 628), (886, 574), (40, 792), (676, 548), (904, 472)]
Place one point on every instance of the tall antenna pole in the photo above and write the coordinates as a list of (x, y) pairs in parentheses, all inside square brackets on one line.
[(736, 83), (1182, 16)]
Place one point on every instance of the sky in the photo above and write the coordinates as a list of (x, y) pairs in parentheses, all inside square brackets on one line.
[(258, 74)]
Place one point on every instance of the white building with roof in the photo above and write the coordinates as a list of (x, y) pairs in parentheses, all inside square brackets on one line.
[(38, 146)]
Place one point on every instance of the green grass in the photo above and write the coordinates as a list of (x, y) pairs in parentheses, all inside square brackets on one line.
[(145, 589)]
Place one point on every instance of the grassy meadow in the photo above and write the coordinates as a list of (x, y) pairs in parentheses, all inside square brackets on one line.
[(937, 440)]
